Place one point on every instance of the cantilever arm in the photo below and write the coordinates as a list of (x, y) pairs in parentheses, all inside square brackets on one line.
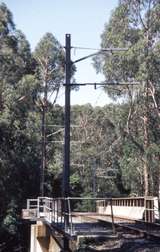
[(100, 52)]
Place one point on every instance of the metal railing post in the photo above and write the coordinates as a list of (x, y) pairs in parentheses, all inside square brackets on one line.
[(38, 213), (70, 217), (112, 216), (57, 212), (28, 204), (53, 214), (61, 210)]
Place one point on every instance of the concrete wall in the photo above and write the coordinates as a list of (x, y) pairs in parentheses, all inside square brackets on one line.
[(41, 240)]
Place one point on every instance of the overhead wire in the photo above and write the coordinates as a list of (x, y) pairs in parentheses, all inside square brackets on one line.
[(86, 48), (98, 98), (100, 49)]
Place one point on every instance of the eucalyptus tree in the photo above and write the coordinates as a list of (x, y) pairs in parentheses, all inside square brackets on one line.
[(19, 155), (49, 55), (136, 25), (15, 55), (97, 150), (16, 76)]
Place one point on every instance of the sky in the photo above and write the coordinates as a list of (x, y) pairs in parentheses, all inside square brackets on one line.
[(83, 19)]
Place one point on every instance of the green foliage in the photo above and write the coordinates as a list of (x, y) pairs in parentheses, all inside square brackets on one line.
[(19, 142), (136, 25), (10, 220), (109, 144), (49, 55)]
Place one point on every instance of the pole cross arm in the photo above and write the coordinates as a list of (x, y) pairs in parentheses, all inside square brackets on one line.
[(103, 84), (102, 51)]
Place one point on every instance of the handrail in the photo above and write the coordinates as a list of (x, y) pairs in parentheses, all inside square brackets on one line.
[(52, 208)]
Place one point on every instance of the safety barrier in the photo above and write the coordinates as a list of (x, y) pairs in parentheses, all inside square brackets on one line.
[(70, 215), (66, 214), (132, 207)]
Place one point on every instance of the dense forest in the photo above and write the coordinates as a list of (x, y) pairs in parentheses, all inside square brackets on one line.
[(115, 149)]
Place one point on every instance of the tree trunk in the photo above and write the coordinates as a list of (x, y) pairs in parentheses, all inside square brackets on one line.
[(43, 158), (43, 132), (145, 166)]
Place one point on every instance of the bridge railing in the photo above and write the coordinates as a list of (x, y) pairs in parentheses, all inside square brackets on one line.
[(83, 213), (71, 214), (146, 208), (67, 214)]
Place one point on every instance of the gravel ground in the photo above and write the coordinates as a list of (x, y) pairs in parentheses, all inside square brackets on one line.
[(123, 245)]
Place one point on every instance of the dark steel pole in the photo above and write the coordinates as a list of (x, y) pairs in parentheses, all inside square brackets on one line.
[(112, 217), (66, 171), (66, 168)]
